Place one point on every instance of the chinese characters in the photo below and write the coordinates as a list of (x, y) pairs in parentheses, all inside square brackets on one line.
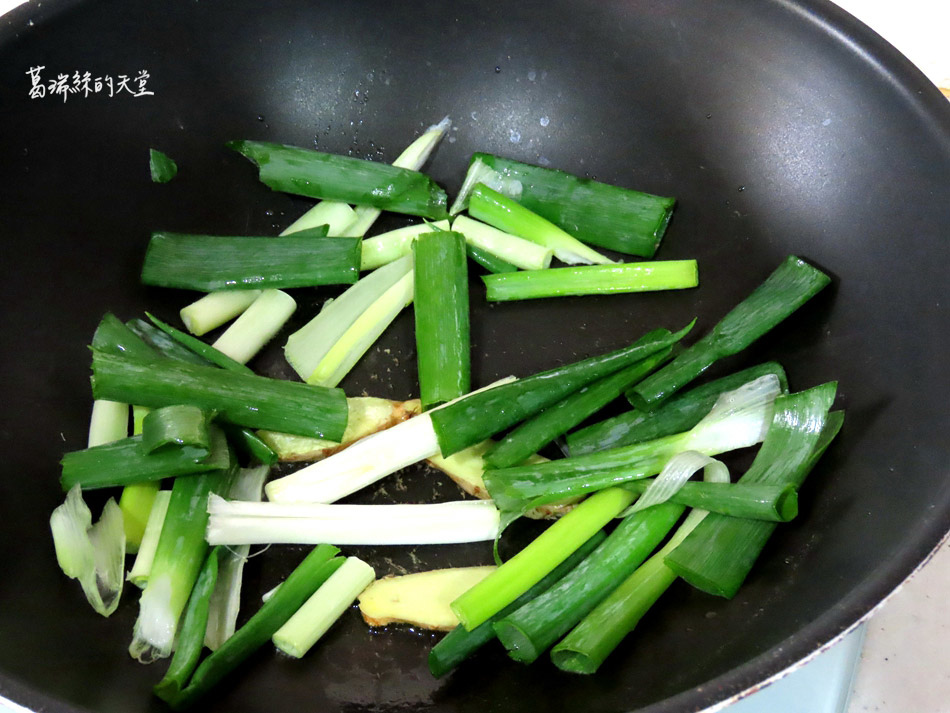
[(83, 84)]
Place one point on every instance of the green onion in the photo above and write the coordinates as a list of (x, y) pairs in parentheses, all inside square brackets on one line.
[(586, 647), (215, 262), (243, 399), (256, 326), (506, 214), (226, 598), (126, 462), (244, 523), (487, 260), (482, 414), (114, 337), (598, 213), (179, 555), (216, 308), (138, 575), (680, 413), (543, 554), (161, 167), (521, 253), (592, 280), (175, 426), (136, 503), (324, 350), (718, 555), (299, 633), (194, 621), (109, 422), (460, 643), (441, 317), (207, 352), (533, 628), (160, 343), (351, 180), (93, 554), (792, 284), (337, 216), (739, 419), (386, 247), (557, 419), (250, 445), (302, 582)]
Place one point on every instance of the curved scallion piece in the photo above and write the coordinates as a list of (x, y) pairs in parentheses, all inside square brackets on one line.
[(93, 554), (176, 426), (792, 284), (680, 413), (441, 317), (592, 280), (718, 555), (351, 180)]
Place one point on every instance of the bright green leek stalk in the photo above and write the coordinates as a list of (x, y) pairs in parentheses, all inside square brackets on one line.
[(598, 213), (138, 575), (531, 630), (718, 555), (557, 419), (510, 216), (511, 249), (243, 399), (324, 350), (679, 414), (459, 644), (257, 326), (299, 633), (590, 642), (487, 260), (161, 167), (218, 262), (109, 422), (547, 551), (176, 426), (216, 308), (360, 219), (333, 214), (351, 180), (225, 602), (125, 462), (207, 352), (114, 337), (592, 280), (295, 590), (160, 343), (482, 414), (194, 621), (750, 501), (441, 313), (179, 556), (725, 428), (93, 554), (386, 247), (792, 284)]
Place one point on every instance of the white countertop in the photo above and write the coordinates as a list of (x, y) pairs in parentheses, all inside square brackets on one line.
[(905, 663)]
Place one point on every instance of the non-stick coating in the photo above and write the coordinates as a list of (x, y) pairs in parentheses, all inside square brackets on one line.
[(781, 127)]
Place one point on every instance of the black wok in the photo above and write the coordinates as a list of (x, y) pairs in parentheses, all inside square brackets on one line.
[(781, 127)]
